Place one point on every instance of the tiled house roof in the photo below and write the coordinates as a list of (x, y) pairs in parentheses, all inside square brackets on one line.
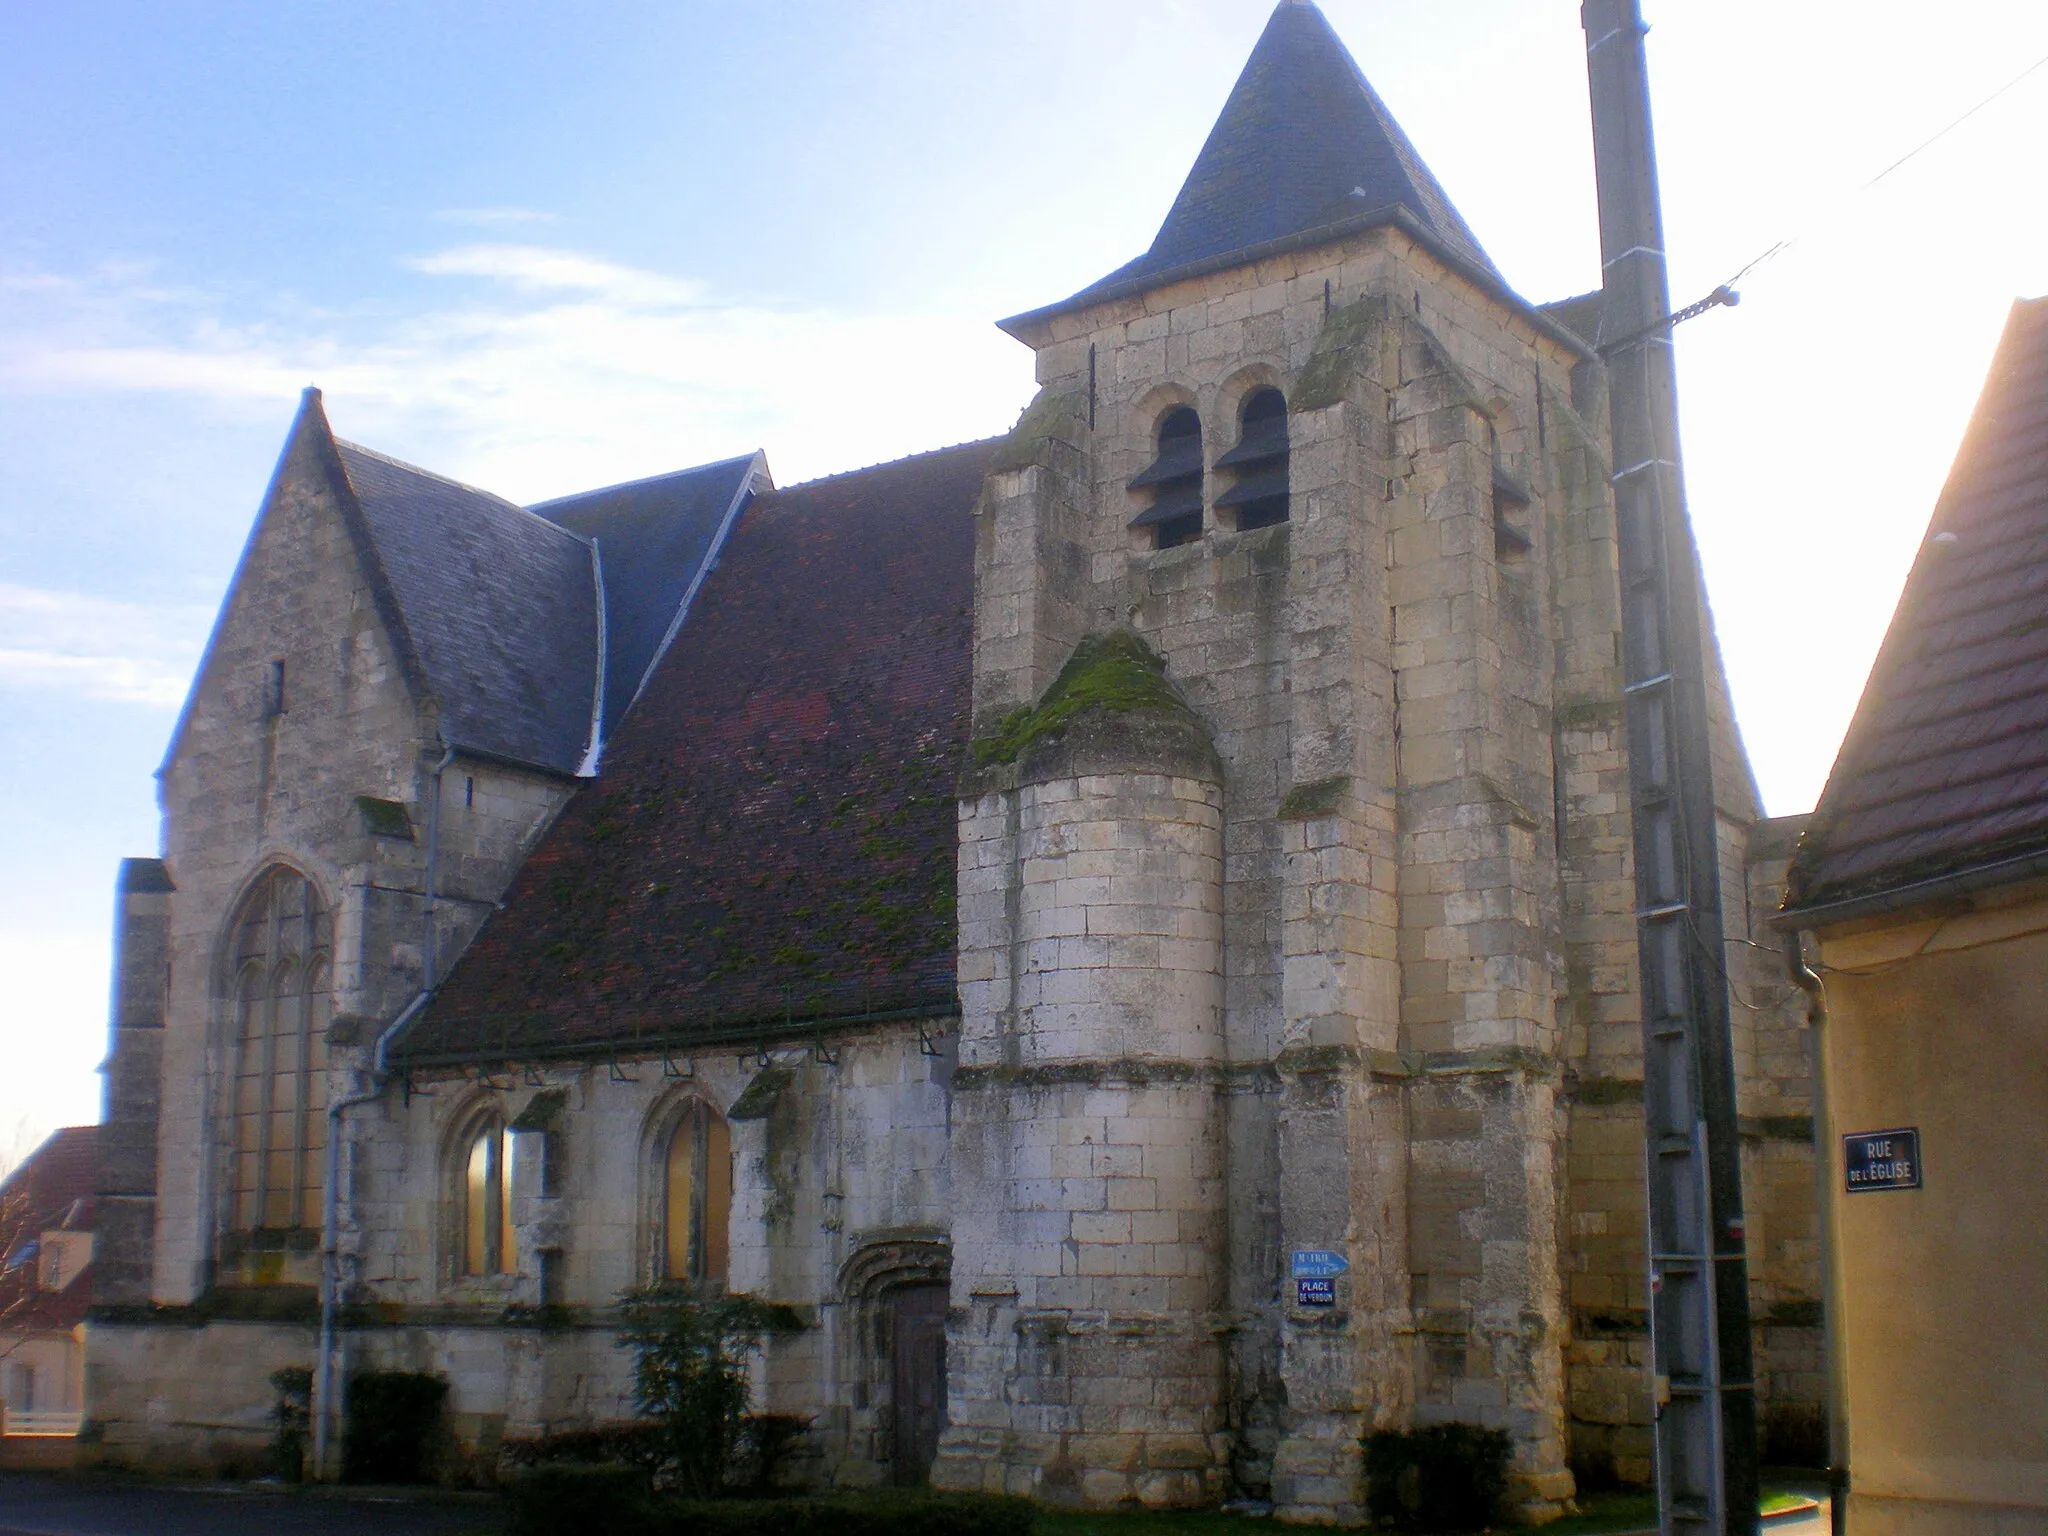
[(52, 1188), (1304, 152), (1944, 771), (771, 841)]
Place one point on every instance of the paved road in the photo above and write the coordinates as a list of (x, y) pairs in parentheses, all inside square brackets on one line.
[(33, 1505)]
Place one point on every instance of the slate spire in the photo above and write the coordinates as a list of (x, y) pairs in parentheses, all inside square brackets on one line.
[(1304, 150)]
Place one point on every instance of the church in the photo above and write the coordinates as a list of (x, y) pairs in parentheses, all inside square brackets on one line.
[(1125, 926)]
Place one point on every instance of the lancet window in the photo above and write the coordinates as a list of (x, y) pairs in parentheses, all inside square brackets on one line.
[(696, 1196), (486, 1200), (280, 962)]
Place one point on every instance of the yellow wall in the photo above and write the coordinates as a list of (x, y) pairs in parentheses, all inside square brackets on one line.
[(1942, 1023)]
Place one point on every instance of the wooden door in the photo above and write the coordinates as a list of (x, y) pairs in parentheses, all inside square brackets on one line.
[(918, 1378)]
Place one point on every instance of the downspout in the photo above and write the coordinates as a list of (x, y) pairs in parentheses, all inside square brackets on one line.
[(1808, 981), (380, 1075)]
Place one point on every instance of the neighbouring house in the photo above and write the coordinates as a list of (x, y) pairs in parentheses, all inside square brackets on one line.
[(46, 1254), (1921, 884), (1019, 905)]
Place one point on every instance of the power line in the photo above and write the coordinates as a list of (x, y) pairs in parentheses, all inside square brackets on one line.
[(1925, 144)]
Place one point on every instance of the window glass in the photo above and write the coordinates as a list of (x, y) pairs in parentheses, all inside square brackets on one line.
[(282, 943), (696, 1206)]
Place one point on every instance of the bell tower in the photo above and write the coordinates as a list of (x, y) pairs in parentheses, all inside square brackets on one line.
[(1294, 643)]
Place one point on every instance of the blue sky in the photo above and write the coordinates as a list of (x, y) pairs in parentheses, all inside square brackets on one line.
[(544, 247)]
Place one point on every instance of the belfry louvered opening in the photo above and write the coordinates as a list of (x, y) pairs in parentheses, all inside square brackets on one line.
[(1174, 478), (1258, 463)]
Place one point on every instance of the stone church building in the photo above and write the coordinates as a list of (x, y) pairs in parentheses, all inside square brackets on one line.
[(1011, 904)]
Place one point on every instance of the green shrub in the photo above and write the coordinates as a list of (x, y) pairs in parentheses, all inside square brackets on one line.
[(634, 1443), (765, 1443), (874, 1514), (293, 1416), (1440, 1477), (579, 1499), (392, 1428), (690, 1374)]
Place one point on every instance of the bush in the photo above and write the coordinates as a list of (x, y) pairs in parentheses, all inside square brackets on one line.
[(1440, 1477), (392, 1427), (690, 1374), (765, 1442), (577, 1499), (293, 1416), (883, 1514), (634, 1444)]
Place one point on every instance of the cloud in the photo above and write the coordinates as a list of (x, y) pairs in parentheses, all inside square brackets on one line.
[(98, 648), (489, 218), (537, 370)]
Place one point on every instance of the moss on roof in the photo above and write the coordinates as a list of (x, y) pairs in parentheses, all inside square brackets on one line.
[(1116, 672)]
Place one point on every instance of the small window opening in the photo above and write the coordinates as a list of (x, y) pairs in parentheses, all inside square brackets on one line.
[(1259, 499), (468, 793), (1511, 503), (550, 1163), (273, 691), (1175, 480), (553, 1278)]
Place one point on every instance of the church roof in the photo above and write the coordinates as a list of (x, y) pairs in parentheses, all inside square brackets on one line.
[(1304, 152), (1943, 776), (654, 540), (494, 607), (770, 845)]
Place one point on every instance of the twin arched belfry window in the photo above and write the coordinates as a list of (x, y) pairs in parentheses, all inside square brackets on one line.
[(1257, 465), (281, 955)]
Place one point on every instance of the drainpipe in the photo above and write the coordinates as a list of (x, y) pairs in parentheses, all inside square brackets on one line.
[(380, 1075), (1808, 981)]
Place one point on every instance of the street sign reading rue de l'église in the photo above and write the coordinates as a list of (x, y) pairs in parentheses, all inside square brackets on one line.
[(1315, 1273), (1874, 1160)]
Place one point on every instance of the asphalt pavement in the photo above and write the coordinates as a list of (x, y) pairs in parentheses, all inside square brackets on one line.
[(33, 1504)]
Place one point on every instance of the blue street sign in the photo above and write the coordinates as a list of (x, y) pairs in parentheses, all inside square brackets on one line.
[(1318, 1264), (1875, 1160), (1315, 1293)]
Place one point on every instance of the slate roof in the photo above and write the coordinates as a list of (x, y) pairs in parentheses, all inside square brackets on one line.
[(496, 608), (1944, 771), (52, 1188), (771, 841), (1304, 152), (654, 538)]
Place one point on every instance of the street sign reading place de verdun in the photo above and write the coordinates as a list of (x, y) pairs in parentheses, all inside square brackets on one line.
[(1315, 1276)]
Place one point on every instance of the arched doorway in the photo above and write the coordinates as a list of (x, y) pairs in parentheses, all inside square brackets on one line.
[(917, 1379), (896, 1289)]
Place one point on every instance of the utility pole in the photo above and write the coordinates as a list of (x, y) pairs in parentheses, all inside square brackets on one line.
[(1699, 1274)]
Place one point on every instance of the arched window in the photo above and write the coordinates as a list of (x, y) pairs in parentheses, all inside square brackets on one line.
[(1259, 462), (281, 955), (1175, 480), (486, 1200), (696, 1196)]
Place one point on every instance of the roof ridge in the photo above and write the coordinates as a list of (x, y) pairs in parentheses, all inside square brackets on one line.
[(341, 443), (627, 485), (908, 458)]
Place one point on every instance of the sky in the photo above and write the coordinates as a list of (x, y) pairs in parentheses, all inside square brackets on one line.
[(543, 248)]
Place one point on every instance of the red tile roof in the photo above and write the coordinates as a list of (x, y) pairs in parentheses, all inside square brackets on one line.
[(771, 841), (1945, 767), (52, 1188)]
